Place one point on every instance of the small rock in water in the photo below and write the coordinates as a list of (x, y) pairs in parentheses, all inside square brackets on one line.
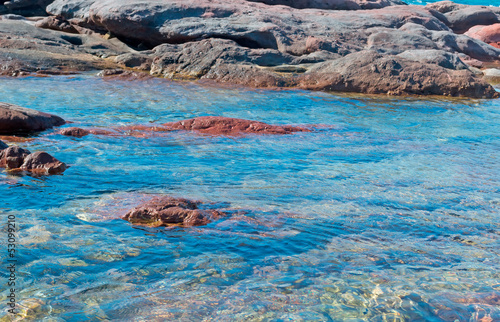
[(43, 163), (13, 157), (217, 125), (168, 211), (74, 131)]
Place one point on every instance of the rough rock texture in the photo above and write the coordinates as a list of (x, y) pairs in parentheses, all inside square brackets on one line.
[(461, 17), (333, 4), (374, 73), (43, 163), (74, 131), (25, 49), (167, 211), (15, 119), (13, 157), (3, 145), (260, 43), (488, 34), (217, 125), (56, 23)]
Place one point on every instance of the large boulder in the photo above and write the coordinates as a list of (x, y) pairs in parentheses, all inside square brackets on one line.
[(461, 17), (374, 73), (217, 125), (43, 163), (14, 119), (13, 157), (333, 4), (169, 211), (488, 34)]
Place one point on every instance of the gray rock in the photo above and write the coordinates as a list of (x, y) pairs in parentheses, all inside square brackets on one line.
[(435, 57)]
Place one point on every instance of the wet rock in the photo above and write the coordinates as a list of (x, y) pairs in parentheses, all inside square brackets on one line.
[(217, 125), (3, 145), (488, 34), (492, 75), (56, 23), (124, 74), (43, 163), (135, 60), (74, 131), (13, 157), (167, 211), (14, 119)]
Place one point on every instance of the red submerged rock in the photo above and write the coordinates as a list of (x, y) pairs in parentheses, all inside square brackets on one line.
[(74, 131), (217, 125), (43, 163), (489, 34), (168, 211), (13, 157), (15, 119)]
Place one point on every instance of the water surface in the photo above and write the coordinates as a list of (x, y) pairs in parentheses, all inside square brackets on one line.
[(389, 212)]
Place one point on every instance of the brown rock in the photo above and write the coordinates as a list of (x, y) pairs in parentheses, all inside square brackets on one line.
[(374, 73), (14, 119), (56, 23), (167, 211), (489, 34), (74, 131), (43, 163), (217, 125), (13, 157)]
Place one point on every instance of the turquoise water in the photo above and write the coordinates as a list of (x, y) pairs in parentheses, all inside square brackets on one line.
[(390, 212), (495, 3)]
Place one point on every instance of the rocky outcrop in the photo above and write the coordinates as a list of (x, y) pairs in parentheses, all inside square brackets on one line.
[(13, 157), (43, 163), (333, 4), (461, 17), (169, 211), (216, 125), (14, 119), (374, 73)]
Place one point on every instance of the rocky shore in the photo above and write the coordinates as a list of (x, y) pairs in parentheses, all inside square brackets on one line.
[(375, 47)]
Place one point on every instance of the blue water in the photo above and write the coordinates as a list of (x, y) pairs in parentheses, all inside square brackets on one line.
[(388, 213), (494, 3)]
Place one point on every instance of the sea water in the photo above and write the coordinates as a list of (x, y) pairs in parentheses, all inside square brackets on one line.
[(388, 211)]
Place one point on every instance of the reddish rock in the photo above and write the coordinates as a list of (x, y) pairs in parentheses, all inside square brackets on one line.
[(217, 125), (74, 131), (43, 163), (11, 138), (13, 157), (14, 119), (56, 23), (489, 34), (168, 211)]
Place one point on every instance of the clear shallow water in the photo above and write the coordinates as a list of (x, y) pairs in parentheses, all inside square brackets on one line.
[(494, 3), (389, 214)]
